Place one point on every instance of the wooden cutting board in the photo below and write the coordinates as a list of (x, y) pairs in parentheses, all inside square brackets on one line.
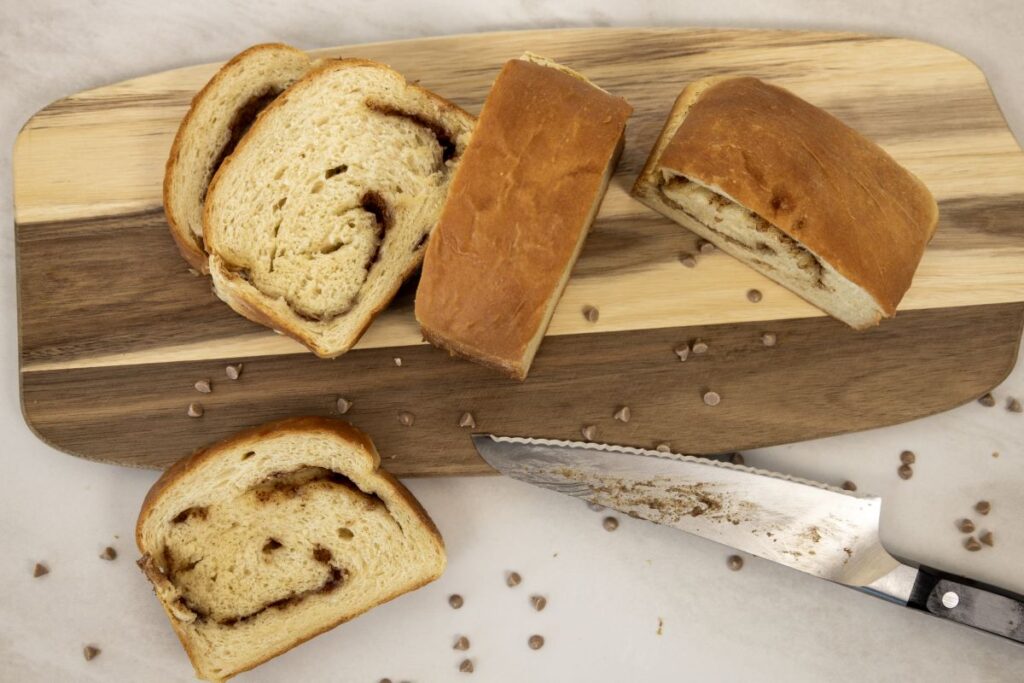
[(114, 329)]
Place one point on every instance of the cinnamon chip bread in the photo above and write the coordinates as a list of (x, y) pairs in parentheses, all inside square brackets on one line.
[(518, 213), (793, 192), (220, 115), (325, 206), (276, 535)]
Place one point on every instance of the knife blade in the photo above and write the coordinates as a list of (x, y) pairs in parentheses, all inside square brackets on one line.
[(807, 526)]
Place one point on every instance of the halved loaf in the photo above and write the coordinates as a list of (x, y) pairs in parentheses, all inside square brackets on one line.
[(793, 192), (276, 535), (220, 115), (325, 206)]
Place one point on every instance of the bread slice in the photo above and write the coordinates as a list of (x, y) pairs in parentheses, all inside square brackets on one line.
[(279, 533), (220, 115), (793, 192), (325, 206), (518, 213)]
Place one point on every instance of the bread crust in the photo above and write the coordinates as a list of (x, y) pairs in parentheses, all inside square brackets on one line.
[(529, 182), (294, 425), (250, 302), (183, 238), (805, 172)]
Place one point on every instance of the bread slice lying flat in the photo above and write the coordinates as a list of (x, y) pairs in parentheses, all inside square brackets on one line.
[(521, 206), (276, 535), (220, 115), (793, 192), (325, 206)]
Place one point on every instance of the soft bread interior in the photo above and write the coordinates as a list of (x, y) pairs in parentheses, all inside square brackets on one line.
[(327, 206), (750, 238), (275, 541)]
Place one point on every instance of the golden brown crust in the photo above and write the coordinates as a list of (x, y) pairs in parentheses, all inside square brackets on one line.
[(812, 177), (516, 212), (249, 303), (183, 238)]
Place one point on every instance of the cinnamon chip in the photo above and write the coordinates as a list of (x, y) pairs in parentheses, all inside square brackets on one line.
[(908, 457), (591, 314), (988, 400), (233, 371), (536, 642), (195, 410), (699, 347), (90, 652), (467, 420), (406, 418), (513, 579), (663, 447), (735, 563), (754, 295), (706, 247), (683, 352), (769, 339), (711, 398), (589, 432), (466, 666), (849, 486), (610, 524), (344, 405), (983, 507), (688, 260), (203, 386), (461, 644), (972, 544), (40, 570), (987, 539), (455, 600), (737, 459), (539, 602), (108, 554), (905, 471), (622, 414), (965, 526), (1014, 406)]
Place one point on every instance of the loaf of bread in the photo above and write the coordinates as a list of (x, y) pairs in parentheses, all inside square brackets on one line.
[(220, 115), (276, 535), (519, 210), (326, 204), (793, 192)]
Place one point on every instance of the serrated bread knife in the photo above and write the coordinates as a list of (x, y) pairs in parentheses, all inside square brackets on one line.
[(816, 529)]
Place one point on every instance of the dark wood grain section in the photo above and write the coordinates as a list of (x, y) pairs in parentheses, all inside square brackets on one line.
[(819, 380)]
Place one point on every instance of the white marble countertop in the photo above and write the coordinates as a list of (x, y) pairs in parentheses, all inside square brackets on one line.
[(607, 592)]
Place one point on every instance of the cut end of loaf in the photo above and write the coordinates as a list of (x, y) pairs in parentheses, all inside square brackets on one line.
[(276, 535)]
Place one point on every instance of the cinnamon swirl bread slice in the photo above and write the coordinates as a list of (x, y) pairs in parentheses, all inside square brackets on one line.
[(325, 206), (276, 535)]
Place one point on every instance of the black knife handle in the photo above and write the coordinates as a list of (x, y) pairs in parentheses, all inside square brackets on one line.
[(969, 602)]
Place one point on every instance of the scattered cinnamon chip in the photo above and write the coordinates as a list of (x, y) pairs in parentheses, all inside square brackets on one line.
[(688, 260), (461, 644), (610, 524), (699, 347), (683, 352), (769, 339), (344, 405), (995, 454), (983, 507), (90, 652), (663, 448), (398, 361), (108, 554), (737, 459), (1014, 406), (233, 371), (849, 486), (589, 432), (406, 418), (735, 563), (203, 386), (539, 602), (536, 642), (466, 666), (965, 526), (40, 570), (591, 314), (467, 420), (195, 410), (908, 457), (905, 471), (987, 539), (711, 398), (988, 400), (972, 544), (706, 247), (754, 295), (513, 579), (622, 414), (455, 600)]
